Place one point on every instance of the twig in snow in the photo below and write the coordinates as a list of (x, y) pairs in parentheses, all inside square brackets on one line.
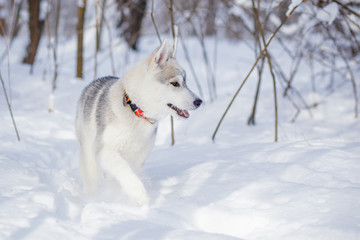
[(174, 39), (252, 68), (9, 107), (270, 67)]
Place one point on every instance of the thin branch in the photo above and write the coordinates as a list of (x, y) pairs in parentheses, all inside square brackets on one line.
[(348, 9), (187, 56), (174, 37), (292, 88), (9, 107), (55, 47), (270, 67), (8, 46), (251, 120), (52, 45), (294, 71), (257, 46), (97, 36), (352, 21), (12, 34), (210, 75), (153, 19), (110, 46), (352, 78)]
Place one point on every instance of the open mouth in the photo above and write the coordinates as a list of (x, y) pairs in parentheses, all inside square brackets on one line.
[(180, 112)]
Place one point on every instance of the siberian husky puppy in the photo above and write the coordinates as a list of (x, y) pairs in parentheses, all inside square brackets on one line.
[(117, 119)]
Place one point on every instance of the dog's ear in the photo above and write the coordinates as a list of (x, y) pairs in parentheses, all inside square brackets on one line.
[(163, 53)]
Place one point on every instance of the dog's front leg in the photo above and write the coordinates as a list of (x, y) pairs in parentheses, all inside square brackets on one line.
[(112, 163)]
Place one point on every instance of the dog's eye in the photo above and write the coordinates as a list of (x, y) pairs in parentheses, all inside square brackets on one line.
[(175, 84)]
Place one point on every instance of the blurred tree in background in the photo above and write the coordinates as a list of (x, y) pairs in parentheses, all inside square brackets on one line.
[(322, 33), (130, 20), (36, 25)]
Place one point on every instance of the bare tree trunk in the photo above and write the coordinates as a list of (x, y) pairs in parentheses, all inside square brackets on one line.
[(80, 36), (53, 45), (210, 28), (2, 21), (132, 14), (36, 26), (100, 24)]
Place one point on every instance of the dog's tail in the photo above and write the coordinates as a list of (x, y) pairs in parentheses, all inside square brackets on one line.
[(88, 165)]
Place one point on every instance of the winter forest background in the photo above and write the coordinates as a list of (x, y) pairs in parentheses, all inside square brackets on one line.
[(322, 34), (274, 153)]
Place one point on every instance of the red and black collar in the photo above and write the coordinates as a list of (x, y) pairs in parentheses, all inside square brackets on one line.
[(138, 112)]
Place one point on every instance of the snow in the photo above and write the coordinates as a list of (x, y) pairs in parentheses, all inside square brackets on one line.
[(242, 186), (293, 4), (328, 13)]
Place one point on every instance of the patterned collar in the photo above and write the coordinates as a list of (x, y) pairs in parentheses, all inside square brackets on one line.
[(138, 112)]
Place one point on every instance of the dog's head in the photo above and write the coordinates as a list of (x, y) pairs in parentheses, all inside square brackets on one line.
[(167, 92)]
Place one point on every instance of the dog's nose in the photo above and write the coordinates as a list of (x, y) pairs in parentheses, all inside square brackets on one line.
[(197, 102)]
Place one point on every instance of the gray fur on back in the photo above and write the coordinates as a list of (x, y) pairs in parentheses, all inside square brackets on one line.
[(95, 98)]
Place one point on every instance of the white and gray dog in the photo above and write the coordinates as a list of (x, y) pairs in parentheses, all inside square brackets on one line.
[(117, 119)]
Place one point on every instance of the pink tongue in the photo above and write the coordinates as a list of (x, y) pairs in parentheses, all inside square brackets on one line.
[(184, 113)]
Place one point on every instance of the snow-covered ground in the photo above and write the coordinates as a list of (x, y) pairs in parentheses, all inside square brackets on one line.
[(242, 186)]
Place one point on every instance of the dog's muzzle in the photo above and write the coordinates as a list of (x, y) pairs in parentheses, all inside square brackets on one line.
[(184, 113)]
